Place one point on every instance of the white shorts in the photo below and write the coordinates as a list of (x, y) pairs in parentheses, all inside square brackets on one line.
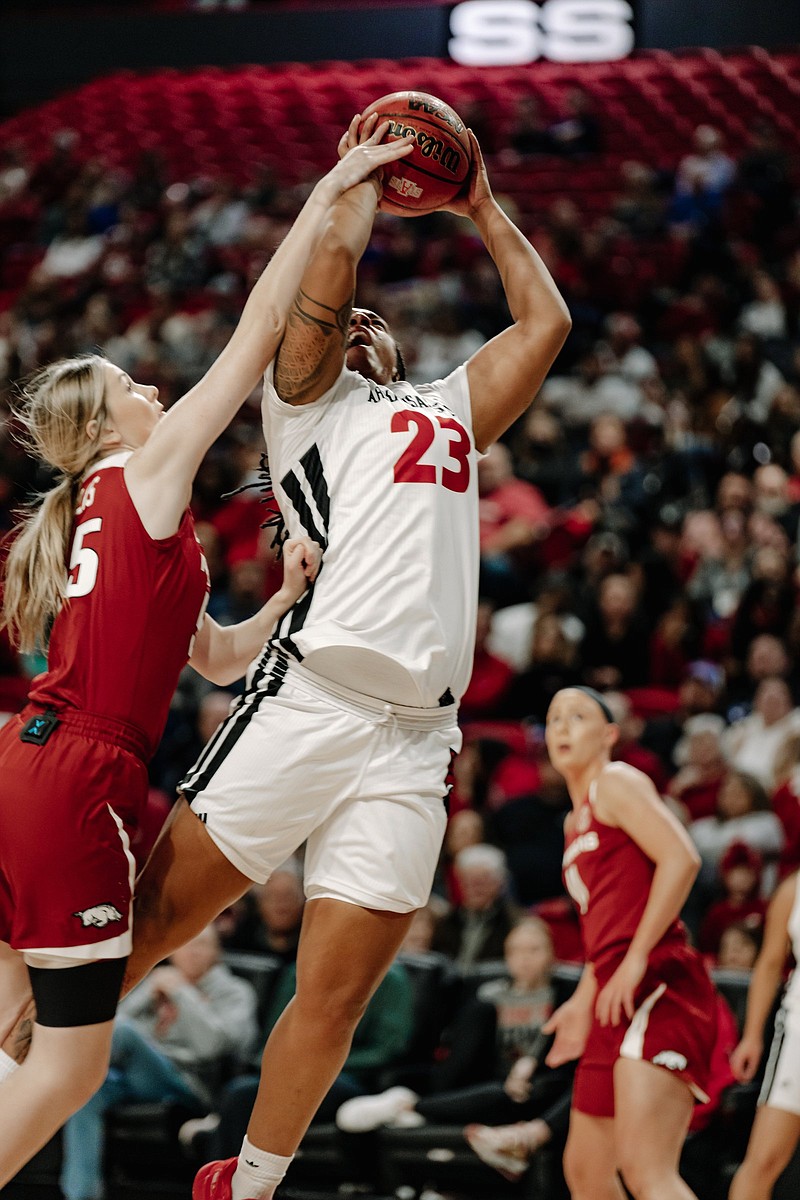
[(364, 783), (781, 1086)]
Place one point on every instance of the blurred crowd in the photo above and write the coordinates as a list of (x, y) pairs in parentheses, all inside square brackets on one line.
[(639, 533), (639, 525)]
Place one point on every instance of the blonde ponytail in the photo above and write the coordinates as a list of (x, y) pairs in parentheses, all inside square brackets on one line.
[(58, 404)]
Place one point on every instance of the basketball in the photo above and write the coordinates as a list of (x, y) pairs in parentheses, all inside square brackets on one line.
[(435, 170)]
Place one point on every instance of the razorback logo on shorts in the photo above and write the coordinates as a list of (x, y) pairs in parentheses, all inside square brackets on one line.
[(98, 916), (670, 1059)]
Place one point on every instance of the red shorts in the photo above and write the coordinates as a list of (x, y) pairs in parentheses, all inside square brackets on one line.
[(68, 810), (674, 1026)]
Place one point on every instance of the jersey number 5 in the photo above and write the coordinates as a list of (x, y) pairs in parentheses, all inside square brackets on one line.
[(83, 561), (409, 468)]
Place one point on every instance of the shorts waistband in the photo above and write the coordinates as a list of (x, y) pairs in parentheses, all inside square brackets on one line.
[(103, 729), (371, 707)]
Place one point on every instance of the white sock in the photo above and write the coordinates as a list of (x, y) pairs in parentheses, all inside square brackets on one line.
[(258, 1173), (8, 1065)]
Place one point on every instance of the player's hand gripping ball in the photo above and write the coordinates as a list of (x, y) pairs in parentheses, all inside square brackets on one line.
[(434, 172)]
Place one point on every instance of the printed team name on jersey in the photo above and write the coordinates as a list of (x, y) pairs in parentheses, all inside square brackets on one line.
[(409, 400), (584, 843)]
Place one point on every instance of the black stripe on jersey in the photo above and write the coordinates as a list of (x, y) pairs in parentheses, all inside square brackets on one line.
[(291, 485), (228, 734), (774, 1055), (312, 465)]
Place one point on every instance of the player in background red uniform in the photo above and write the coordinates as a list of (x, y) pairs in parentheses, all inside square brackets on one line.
[(110, 561), (642, 1020)]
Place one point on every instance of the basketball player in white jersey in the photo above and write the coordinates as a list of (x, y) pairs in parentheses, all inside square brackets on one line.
[(776, 1129), (344, 736)]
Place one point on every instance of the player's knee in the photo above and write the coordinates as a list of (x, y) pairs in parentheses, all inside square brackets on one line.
[(578, 1172), (337, 1008), (70, 1078), (643, 1179), (766, 1160)]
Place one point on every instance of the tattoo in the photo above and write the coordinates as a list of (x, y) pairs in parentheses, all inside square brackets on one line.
[(315, 333), (18, 1042)]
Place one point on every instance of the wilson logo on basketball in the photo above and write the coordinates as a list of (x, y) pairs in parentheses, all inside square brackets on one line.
[(429, 146), (405, 187)]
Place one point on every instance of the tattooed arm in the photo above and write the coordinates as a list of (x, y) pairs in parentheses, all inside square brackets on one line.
[(312, 351)]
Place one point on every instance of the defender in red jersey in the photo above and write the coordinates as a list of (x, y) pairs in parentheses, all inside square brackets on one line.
[(110, 568), (642, 1021)]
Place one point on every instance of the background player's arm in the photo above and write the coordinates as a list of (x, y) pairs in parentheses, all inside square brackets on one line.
[(626, 798), (159, 476), (506, 373), (222, 653), (765, 981)]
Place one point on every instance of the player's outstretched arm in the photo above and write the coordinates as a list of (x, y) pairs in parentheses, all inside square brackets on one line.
[(313, 348), (506, 373), (160, 474), (765, 981), (222, 653)]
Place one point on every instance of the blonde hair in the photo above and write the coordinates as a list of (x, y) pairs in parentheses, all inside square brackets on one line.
[(57, 404)]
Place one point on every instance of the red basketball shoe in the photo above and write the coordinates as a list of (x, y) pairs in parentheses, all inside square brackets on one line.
[(213, 1181)]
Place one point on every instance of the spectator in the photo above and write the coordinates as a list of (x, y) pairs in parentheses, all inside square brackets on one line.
[(765, 315), (742, 815), (495, 1049), (553, 665), (528, 134), (708, 172), (530, 830), (695, 788), (611, 651), (740, 876), (280, 903), (628, 748), (491, 677), (476, 930), (739, 947), (752, 743), (173, 1036), (578, 132), (513, 519)]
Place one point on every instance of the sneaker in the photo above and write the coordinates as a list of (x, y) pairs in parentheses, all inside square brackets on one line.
[(498, 1149), (369, 1112), (213, 1181)]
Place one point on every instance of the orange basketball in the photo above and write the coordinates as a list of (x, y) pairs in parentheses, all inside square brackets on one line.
[(435, 170)]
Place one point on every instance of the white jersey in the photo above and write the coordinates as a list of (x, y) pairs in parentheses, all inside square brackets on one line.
[(384, 478)]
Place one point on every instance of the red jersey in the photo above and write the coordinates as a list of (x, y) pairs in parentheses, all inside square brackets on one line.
[(133, 606), (609, 878)]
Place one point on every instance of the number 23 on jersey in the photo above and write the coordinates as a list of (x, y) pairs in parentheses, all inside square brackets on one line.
[(410, 468)]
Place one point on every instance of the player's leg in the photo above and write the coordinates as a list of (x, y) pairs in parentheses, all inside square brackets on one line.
[(653, 1111), (68, 1060), (185, 884), (343, 955), (590, 1164), (773, 1139)]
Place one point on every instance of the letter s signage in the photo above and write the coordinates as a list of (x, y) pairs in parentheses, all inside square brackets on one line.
[(515, 32)]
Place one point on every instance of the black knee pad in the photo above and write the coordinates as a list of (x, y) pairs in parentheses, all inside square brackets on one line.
[(67, 997)]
